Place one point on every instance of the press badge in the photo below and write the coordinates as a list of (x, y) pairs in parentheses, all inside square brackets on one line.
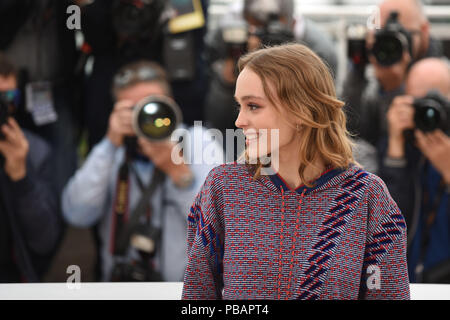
[(40, 104)]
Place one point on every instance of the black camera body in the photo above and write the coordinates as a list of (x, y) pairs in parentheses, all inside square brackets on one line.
[(137, 19), (235, 35), (141, 26), (391, 42), (274, 32), (432, 112), (145, 239)]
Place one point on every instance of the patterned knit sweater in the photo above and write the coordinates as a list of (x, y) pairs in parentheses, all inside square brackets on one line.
[(344, 238)]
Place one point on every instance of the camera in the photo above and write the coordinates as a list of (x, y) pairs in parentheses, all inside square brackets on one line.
[(137, 19), (8, 101), (391, 42), (156, 117), (274, 32), (142, 28), (145, 240), (432, 112), (235, 36)]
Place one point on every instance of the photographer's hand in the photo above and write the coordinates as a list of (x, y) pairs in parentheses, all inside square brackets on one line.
[(400, 117), (436, 148), (15, 150), (120, 122), (160, 153)]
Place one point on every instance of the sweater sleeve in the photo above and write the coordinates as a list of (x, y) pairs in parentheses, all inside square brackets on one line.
[(205, 239), (384, 273)]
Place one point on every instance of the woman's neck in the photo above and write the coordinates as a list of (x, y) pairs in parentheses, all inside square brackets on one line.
[(288, 170)]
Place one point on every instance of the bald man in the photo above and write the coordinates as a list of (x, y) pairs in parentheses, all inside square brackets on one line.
[(428, 73), (417, 174), (368, 95)]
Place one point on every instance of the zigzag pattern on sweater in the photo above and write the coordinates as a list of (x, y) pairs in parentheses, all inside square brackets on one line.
[(248, 240), (210, 238), (381, 242), (329, 236)]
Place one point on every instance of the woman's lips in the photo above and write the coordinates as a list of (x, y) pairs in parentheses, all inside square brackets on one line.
[(251, 138)]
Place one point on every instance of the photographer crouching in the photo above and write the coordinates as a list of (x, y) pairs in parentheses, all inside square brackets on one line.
[(130, 185), (416, 167), (30, 227)]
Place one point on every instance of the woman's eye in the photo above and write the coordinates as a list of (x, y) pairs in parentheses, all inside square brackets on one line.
[(253, 107), (250, 106)]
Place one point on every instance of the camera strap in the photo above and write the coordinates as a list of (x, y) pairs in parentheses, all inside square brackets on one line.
[(124, 224), (120, 206)]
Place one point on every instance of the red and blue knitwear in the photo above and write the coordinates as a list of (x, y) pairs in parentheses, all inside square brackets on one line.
[(342, 238)]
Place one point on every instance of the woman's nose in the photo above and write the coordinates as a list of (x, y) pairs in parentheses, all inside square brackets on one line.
[(241, 121)]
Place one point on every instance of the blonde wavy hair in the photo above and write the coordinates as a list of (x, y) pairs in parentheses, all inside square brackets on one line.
[(296, 79)]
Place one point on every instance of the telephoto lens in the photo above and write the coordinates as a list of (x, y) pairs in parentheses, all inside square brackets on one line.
[(388, 48), (391, 42), (432, 112), (156, 117)]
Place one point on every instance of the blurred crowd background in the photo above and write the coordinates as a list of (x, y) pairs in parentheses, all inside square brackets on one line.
[(63, 88)]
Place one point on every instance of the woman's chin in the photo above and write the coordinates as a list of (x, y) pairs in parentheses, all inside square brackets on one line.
[(256, 156)]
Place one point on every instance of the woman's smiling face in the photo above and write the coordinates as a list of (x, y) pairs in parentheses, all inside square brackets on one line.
[(260, 119)]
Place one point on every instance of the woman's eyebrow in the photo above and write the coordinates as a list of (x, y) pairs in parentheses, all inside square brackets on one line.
[(249, 97)]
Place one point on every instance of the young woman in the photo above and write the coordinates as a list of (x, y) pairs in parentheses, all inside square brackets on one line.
[(320, 227)]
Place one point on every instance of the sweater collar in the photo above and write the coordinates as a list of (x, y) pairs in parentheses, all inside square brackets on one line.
[(324, 177)]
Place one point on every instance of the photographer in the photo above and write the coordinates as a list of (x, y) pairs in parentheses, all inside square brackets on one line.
[(29, 218), (416, 167), (404, 38), (35, 37), (255, 23), (119, 32), (136, 193)]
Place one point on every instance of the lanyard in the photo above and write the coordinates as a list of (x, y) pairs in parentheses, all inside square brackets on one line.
[(123, 222)]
